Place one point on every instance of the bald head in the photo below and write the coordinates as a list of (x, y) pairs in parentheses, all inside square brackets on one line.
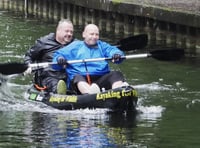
[(91, 34), (90, 27)]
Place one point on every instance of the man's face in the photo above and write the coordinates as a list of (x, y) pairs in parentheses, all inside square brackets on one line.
[(64, 33), (91, 35)]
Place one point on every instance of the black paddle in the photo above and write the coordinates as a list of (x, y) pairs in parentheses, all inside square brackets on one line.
[(133, 42), (163, 55), (167, 54), (12, 68)]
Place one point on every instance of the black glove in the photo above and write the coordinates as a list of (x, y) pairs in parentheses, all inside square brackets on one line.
[(62, 61), (116, 58)]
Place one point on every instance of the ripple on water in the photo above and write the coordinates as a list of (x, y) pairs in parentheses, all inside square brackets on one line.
[(154, 86), (152, 113)]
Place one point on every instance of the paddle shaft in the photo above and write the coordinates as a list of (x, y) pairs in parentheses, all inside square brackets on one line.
[(46, 64), (162, 55)]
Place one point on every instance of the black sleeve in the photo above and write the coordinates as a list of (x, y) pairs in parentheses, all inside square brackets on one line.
[(33, 54)]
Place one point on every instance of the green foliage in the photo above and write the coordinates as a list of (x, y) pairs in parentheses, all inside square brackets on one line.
[(116, 1)]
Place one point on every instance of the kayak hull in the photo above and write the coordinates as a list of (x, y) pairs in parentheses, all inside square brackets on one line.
[(122, 99)]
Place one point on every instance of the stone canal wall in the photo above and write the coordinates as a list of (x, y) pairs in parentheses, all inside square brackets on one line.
[(121, 16)]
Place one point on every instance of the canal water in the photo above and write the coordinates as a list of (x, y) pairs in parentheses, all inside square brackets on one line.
[(167, 112)]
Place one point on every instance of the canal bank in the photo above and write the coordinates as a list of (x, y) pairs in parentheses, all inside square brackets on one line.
[(153, 17), (168, 97)]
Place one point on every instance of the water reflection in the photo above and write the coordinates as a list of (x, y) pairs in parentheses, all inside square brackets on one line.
[(65, 129)]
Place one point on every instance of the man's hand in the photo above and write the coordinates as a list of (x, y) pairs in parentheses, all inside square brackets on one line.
[(28, 71), (62, 61), (116, 58)]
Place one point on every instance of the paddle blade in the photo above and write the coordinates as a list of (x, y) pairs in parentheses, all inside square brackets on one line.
[(12, 68), (133, 42), (168, 54)]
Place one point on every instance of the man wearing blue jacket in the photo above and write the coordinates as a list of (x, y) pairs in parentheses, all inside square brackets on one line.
[(89, 77)]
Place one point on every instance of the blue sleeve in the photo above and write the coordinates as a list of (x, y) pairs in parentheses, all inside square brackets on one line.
[(110, 50), (65, 52), (58, 53)]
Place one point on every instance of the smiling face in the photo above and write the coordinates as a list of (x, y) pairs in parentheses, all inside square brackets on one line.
[(91, 34), (64, 32)]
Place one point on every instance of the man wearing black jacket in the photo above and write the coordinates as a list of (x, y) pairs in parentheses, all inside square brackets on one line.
[(43, 51)]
